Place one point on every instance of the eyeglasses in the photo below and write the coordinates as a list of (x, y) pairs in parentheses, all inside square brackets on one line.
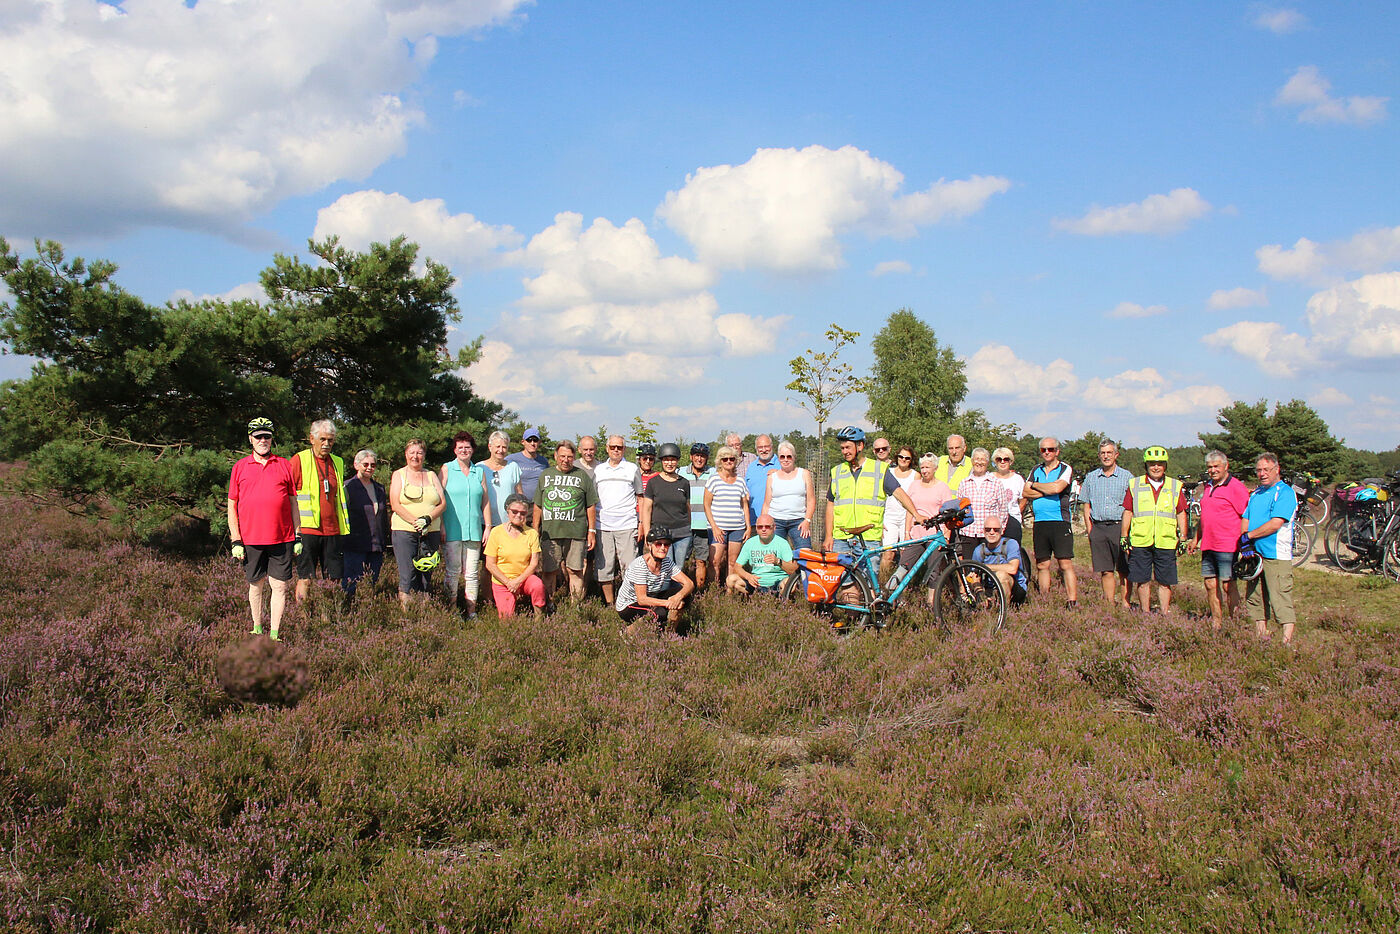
[(370, 464), (614, 447), (991, 528), (646, 457), (784, 457), (931, 454), (1003, 460), (728, 460), (519, 512), (903, 457), (263, 436), (884, 450), (762, 527), (1048, 450)]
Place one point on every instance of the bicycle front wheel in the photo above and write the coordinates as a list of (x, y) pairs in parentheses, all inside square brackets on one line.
[(848, 609), (1390, 559), (969, 596), (1302, 542)]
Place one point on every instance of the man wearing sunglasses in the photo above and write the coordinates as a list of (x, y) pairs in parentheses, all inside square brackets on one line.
[(531, 461), (1047, 488), (619, 484), (763, 563)]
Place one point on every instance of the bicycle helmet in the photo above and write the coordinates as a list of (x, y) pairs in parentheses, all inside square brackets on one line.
[(659, 535), (259, 424), (646, 449), (850, 433), (1367, 494), (669, 449), (1155, 454), (427, 557), (700, 447), (1248, 563)]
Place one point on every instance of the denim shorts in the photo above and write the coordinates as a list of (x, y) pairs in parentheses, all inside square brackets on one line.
[(1218, 564)]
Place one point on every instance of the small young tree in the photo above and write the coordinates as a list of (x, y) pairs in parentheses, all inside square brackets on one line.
[(821, 382), (643, 431)]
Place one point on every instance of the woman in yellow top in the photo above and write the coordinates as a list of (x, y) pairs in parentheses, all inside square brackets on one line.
[(512, 553), (417, 501)]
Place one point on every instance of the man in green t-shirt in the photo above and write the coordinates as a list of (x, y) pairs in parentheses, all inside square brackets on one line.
[(566, 503), (763, 563)]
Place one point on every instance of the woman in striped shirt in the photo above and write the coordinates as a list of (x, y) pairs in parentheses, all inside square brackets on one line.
[(727, 508)]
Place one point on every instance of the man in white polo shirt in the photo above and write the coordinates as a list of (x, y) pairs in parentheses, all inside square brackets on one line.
[(619, 483)]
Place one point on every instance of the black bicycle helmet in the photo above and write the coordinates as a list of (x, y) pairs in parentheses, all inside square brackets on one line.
[(700, 447), (646, 449)]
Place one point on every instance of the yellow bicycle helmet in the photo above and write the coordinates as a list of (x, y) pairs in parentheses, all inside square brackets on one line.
[(1155, 454)]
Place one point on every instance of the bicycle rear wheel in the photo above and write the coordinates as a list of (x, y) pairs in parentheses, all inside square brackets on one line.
[(849, 610), (1351, 541), (969, 596)]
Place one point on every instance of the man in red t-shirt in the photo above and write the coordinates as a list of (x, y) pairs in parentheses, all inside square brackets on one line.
[(261, 500)]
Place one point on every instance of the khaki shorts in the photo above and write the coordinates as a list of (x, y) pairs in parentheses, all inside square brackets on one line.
[(571, 553)]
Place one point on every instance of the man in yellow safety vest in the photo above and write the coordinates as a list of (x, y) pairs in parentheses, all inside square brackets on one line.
[(856, 497), (1154, 529), (322, 519)]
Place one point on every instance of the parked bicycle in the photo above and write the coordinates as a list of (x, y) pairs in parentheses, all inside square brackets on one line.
[(1191, 486), (1364, 531), (846, 588), (1306, 529)]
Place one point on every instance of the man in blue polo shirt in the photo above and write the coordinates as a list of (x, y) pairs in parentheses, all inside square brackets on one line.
[(756, 477), (1268, 522), (1047, 488)]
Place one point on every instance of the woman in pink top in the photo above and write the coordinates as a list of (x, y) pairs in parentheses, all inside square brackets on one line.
[(928, 495)]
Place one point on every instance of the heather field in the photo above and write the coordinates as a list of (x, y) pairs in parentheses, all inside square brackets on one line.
[(1077, 772)]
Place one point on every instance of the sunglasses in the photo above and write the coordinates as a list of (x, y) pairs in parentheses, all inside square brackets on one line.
[(614, 447), (519, 512), (263, 436), (903, 457), (1048, 450), (882, 450), (646, 457), (728, 460), (1003, 460), (991, 528), (762, 527)]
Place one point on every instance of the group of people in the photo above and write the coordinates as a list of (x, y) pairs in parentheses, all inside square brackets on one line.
[(635, 528)]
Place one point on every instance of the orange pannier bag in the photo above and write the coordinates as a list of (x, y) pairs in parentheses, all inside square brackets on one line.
[(822, 571)]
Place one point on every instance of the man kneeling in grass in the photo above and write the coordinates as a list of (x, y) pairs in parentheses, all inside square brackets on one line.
[(653, 590), (763, 563), (1004, 557)]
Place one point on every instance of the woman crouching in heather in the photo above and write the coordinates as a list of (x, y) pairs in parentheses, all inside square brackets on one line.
[(512, 553), (653, 590)]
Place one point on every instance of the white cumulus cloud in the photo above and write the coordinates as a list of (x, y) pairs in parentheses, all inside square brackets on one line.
[(1134, 310), (1311, 94), (1270, 345), (1368, 251), (1328, 395), (1241, 297), (1155, 214), (787, 209), (459, 240), (1280, 21), (204, 115), (252, 291), (996, 370), (891, 266)]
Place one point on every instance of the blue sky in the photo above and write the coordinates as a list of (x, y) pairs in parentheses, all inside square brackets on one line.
[(1120, 215)]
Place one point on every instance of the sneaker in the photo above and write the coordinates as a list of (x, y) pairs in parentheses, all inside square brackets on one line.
[(274, 637), (257, 631)]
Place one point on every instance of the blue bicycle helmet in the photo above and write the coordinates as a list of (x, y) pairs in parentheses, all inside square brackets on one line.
[(851, 433)]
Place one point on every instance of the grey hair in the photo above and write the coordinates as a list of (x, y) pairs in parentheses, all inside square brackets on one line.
[(362, 456), (498, 435), (786, 446), (1106, 443), (1216, 457), (983, 451), (566, 443), (322, 426), (929, 458), (1269, 456)]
